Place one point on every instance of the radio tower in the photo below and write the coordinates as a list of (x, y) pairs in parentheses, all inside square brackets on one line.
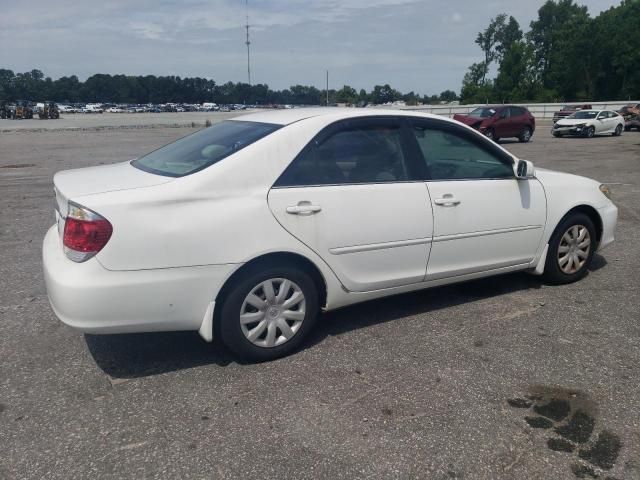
[(247, 42)]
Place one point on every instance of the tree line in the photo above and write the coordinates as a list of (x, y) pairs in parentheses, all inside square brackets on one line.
[(104, 88), (566, 55)]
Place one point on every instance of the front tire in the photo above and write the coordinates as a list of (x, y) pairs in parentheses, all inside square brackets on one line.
[(268, 313), (591, 132), (525, 136), (571, 249), (490, 134)]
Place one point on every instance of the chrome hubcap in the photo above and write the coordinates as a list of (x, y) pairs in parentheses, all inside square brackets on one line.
[(574, 248), (272, 312)]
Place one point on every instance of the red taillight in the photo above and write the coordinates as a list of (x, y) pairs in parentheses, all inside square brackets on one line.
[(85, 233)]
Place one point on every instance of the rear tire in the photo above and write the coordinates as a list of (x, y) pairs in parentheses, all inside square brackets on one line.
[(571, 249), (618, 130), (287, 308)]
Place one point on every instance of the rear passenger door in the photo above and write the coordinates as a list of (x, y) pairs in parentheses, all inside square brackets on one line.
[(355, 196)]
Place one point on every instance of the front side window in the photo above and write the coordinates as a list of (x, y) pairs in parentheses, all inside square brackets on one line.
[(204, 148), (451, 155), (357, 152)]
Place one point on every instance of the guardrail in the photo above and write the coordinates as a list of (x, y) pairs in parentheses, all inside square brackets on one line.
[(539, 110)]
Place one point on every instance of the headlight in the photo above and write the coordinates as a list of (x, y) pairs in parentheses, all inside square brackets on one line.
[(606, 191)]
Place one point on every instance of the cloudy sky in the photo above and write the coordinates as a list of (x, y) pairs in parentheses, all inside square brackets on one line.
[(424, 46)]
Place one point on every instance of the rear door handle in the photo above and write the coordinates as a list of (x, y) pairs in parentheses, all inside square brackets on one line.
[(447, 200), (303, 208)]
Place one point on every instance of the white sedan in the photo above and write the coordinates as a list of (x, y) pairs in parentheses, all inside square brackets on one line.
[(589, 123), (246, 230)]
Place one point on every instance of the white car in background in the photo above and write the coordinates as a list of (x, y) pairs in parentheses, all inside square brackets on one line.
[(67, 109), (589, 123), (248, 229)]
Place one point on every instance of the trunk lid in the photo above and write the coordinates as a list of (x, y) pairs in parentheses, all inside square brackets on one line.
[(70, 184)]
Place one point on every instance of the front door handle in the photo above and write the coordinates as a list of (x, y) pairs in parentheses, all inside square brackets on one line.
[(303, 208), (447, 200)]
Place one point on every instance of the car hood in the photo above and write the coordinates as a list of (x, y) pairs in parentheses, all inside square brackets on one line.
[(569, 122), (554, 177), (70, 184), (468, 119)]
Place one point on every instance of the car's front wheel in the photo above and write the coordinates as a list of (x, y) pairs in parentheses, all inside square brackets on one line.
[(490, 134), (525, 136), (571, 249), (590, 132), (267, 313)]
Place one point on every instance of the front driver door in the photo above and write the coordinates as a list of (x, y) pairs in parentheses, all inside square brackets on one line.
[(353, 197), (484, 218)]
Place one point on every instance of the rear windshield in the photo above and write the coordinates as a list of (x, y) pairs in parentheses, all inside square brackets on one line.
[(203, 148), (482, 112)]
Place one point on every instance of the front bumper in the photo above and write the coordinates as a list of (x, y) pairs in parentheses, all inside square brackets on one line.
[(569, 130), (90, 298)]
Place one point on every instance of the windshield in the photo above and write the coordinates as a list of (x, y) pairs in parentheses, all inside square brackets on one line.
[(204, 148), (584, 115), (482, 112)]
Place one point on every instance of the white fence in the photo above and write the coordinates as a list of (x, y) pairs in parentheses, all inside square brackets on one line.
[(539, 110)]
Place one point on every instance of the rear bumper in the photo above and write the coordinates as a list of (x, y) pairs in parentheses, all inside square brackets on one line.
[(90, 298), (609, 216)]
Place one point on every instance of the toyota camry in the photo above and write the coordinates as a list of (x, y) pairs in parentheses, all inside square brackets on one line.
[(248, 229)]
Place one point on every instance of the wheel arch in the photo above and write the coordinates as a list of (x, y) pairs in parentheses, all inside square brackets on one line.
[(269, 260), (590, 212)]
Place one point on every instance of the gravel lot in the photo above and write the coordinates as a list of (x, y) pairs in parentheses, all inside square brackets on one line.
[(414, 386)]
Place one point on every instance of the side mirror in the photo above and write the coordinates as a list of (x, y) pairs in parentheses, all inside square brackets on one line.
[(524, 169)]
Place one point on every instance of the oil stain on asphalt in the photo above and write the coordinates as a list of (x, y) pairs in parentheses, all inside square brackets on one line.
[(571, 415)]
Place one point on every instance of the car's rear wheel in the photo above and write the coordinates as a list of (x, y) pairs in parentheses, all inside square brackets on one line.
[(267, 314), (525, 136), (618, 131), (590, 132), (571, 249)]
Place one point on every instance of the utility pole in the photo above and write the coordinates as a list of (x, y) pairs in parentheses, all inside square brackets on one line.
[(247, 42), (327, 88)]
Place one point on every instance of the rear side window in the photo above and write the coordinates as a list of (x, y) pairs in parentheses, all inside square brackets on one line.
[(357, 152), (204, 148), (451, 155)]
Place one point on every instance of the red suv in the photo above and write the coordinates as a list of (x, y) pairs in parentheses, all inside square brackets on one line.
[(501, 121)]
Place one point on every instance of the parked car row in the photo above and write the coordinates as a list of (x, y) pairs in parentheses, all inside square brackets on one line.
[(504, 121), (148, 108)]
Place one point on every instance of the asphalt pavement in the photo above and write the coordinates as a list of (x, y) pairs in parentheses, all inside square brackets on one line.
[(446, 383)]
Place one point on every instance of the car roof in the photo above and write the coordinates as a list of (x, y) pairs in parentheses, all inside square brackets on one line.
[(292, 115)]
